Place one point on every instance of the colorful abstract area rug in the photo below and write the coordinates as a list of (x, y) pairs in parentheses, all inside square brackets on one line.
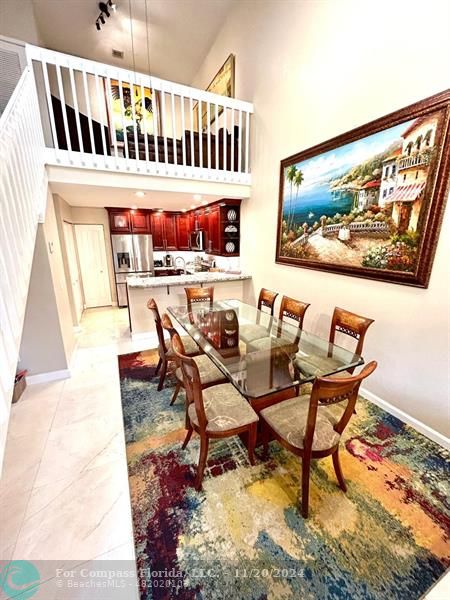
[(242, 536)]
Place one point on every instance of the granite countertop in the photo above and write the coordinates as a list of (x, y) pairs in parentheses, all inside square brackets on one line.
[(172, 280)]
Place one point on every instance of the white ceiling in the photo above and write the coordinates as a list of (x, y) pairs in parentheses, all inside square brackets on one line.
[(180, 32), (100, 196)]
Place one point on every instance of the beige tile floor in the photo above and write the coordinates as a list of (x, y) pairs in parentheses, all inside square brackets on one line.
[(64, 489)]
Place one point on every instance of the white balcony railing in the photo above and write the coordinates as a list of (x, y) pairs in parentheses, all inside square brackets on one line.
[(104, 117), (23, 194)]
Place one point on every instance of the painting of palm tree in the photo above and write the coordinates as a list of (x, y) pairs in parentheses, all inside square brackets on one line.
[(361, 203)]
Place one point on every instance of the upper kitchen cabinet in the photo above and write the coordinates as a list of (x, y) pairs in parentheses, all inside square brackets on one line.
[(183, 222), (164, 231), (119, 221), (213, 243), (140, 222), (170, 228)]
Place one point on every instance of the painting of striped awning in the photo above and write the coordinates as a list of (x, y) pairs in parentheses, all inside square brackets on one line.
[(407, 193)]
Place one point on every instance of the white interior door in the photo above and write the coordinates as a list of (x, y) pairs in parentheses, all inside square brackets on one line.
[(93, 265), (73, 270)]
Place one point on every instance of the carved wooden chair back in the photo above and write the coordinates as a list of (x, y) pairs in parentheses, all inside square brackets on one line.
[(327, 391), (151, 305), (191, 380), (267, 299), (351, 324), (167, 324), (199, 294), (292, 309)]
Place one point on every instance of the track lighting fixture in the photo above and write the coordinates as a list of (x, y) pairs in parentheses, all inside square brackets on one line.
[(104, 11)]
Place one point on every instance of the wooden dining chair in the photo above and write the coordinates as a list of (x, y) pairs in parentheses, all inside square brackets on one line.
[(164, 351), (351, 324), (199, 294), (307, 427), (253, 331), (289, 309), (209, 373), (343, 321), (215, 412)]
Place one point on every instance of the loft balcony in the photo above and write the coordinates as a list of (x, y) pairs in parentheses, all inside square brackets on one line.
[(98, 116)]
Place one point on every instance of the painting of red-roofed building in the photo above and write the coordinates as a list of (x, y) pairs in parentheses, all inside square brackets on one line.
[(369, 203)]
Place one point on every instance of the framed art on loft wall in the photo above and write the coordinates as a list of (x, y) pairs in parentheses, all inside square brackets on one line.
[(370, 202), (222, 84), (146, 109)]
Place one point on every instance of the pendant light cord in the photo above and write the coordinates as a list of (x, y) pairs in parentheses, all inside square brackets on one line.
[(148, 42), (132, 39)]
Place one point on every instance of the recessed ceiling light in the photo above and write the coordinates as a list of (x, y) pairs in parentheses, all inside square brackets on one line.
[(139, 194), (197, 196), (133, 207), (183, 209), (204, 202), (160, 210), (193, 206)]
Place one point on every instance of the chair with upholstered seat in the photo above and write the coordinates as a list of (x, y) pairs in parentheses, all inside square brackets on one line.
[(254, 331), (306, 425), (289, 309), (209, 373), (215, 412), (344, 322), (164, 351)]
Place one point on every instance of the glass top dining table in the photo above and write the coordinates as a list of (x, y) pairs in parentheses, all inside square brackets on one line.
[(259, 354)]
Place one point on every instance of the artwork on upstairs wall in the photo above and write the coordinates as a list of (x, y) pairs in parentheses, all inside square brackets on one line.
[(146, 109), (370, 202), (222, 84)]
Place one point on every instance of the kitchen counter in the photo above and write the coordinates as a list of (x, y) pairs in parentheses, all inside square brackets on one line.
[(169, 291), (187, 279)]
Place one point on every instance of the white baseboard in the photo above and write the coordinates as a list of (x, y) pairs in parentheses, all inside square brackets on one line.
[(430, 433), (46, 377)]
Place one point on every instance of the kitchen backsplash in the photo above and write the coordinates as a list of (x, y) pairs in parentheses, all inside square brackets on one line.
[(222, 262)]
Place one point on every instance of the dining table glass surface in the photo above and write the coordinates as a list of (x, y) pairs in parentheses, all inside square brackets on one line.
[(258, 353)]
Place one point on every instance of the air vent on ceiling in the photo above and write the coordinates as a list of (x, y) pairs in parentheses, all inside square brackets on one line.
[(117, 53)]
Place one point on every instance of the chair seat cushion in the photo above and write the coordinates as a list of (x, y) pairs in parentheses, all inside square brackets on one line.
[(288, 419), (267, 343), (225, 409), (316, 366), (207, 370), (251, 332), (189, 345)]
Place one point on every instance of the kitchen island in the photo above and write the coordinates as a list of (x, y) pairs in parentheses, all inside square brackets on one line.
[(169, 291)]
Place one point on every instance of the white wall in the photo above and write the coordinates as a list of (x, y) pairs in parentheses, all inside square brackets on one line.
[(315, 70), (17, 20), (48, 339)]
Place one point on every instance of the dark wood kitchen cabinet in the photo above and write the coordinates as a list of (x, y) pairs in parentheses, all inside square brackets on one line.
[(120, 221), (170, 228), (140, 222), (183, 222), (213, 243), (164, 231)]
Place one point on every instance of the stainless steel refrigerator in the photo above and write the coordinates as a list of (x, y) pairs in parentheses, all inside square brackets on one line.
[(132, 254)]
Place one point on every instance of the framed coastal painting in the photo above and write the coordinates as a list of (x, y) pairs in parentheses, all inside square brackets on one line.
[(222, 84), (370, 202), (146, 109)]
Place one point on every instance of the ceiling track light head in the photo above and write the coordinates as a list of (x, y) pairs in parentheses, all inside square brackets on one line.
[(102, 19), (113, 5), (104, 8), (97, 24)]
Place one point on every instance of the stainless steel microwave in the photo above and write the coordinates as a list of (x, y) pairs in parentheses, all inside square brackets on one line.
[(197, 240)]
